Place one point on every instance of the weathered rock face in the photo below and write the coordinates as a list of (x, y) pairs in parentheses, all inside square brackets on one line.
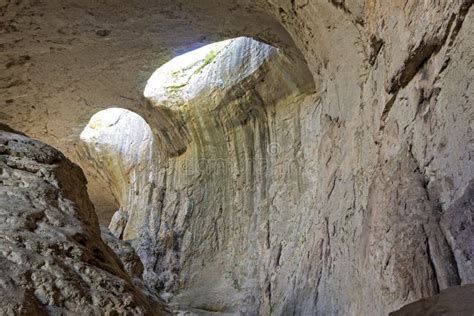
[(86, 56), (130, 260), (353, 196), (52, 257), (117, 153), (224, 87)]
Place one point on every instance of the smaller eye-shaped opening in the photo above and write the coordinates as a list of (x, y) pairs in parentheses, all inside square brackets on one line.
[(115, 146)]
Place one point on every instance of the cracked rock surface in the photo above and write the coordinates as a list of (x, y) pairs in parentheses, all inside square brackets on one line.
[(335, 178), (53, 260)]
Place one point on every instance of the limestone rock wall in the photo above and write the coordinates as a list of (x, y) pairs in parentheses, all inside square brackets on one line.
[(349, 195), (353, 213), (213, 196), (312, 203), (117, 152), (53, 260)]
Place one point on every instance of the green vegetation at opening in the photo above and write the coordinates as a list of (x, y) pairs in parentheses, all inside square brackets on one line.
[(185, 72), (207, 60), (176, 88)]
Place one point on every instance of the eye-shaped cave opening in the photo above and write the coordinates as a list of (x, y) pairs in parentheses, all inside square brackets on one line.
[(204, 130), (229, 81), (116, 151)]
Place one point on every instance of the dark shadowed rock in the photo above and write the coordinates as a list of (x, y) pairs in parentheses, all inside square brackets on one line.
[(455, 301)]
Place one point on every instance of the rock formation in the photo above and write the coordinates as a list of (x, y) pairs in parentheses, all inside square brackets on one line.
[(53, 260), (116, 151), (326, 172)]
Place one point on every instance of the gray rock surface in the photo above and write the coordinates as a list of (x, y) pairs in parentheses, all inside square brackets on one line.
[(130, 260), (53, 260), (349, 193), (117, 153)]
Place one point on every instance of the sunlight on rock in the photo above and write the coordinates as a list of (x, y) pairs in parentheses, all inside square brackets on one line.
[(116, 151), (101, 121), (317, 161), (176, 74), (117, 129)]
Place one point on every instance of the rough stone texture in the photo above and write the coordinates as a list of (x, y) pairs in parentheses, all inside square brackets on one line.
[(53, 260), (63, 62), (455, 301), (130, 260), (363, 201), (116, 152)]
